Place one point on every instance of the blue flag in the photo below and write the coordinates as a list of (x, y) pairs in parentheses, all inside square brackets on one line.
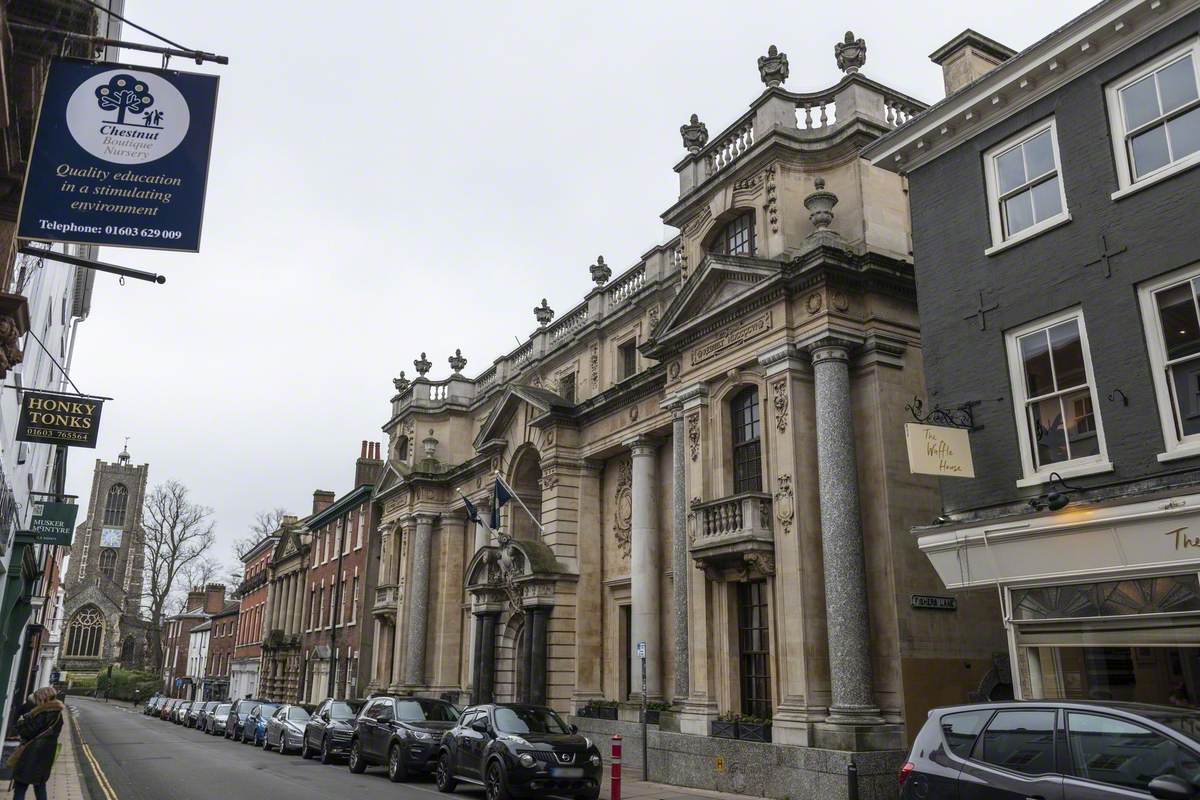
[(502, 497), (472, 511)]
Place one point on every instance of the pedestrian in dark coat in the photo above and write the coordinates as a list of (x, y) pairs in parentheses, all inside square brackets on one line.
[(39, 730)]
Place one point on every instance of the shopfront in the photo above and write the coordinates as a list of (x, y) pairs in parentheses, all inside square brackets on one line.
[(1099, 604)]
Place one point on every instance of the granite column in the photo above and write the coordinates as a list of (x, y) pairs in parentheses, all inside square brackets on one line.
[(417, 602), (645, 567), (679, 553)]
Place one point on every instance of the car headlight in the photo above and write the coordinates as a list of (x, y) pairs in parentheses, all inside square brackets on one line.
[(595, 761), (526, 760), (421, 735), (587, 743)]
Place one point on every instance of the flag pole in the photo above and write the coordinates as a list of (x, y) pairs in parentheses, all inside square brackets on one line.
[(517, 497), (479, 517)]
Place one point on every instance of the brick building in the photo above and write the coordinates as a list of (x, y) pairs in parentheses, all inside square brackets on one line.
[(341, 576), (221, 642), (199, 606), (252, 593)]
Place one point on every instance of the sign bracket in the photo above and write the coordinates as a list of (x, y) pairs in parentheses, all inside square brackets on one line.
[(100, 266), (200, 56)]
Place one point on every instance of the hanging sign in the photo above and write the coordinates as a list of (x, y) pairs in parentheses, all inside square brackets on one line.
[(53, 418), (120, 157), (53, 523), (939, 450)]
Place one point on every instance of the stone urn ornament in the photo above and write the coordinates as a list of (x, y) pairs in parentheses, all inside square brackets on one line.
[(430, 444), (695, 134), (773, 67), (543, 313), (850, 53), (457, 362), (820, 206), (600, 271), (422, 365)]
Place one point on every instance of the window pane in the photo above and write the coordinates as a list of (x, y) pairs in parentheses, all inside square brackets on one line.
[(1140, 101), (1046, 428), (1180, 327), (1185, 380), (1068, 355), (1039, 155), (1018, 212), (1081, 424), (1150, 150), (1010, 170), (961, 729), (1177, 84), (1047, 199), (1022, 741), (1121, 753), (1184, 133), (1035, 354)]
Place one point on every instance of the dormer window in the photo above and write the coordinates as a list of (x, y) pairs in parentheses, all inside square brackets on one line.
[(737, 237)]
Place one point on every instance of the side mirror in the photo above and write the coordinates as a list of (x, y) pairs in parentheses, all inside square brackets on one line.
[(1171, 787), (573, 728), (479, 725)]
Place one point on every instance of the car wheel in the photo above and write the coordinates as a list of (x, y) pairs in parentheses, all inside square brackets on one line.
[(445, 774), (496, 783), (305, 753), (326, 757), (356, 763), (266, 745), (397, 770)]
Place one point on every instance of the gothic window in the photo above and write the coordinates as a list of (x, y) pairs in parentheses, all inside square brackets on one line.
[(737, 237), (127, 651), (85, 633), (754, 653), (114, 505), (108, 563), (747, 450)]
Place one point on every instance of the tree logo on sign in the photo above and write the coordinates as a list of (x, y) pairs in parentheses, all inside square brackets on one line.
[(125, 93), (126, 116)]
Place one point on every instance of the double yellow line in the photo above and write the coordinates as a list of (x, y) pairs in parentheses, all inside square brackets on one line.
[(101, 778)]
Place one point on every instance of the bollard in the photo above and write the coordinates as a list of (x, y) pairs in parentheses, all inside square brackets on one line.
[(852, 781), (615, 781)]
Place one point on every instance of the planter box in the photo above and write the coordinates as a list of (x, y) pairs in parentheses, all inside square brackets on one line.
[(723, 730), (605, 712), (652, 715), (754, 731)]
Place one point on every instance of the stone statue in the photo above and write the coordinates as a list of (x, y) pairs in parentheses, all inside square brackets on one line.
[(601, 271), (400, 383), (851, 54), (10, 344), (457, 362), (543, 313), (695, 134), (773, 67)]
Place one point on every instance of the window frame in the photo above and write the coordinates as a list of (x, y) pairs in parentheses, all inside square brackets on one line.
[(995, 198), (736, 422), (631, 343), (976, 754), (1176, 444), (1031, 474), (1126, 182)]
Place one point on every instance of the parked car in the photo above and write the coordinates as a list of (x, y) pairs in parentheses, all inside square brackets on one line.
[(151, 703), (329, 730), (254, 729), (237, 715), (168, 710), (180, 714), (193, 714), (285, 728), (518, 750), (401, 733), (1055, 749), (216, 720), (202, 717)]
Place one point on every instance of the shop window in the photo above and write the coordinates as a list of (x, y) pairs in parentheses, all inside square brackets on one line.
[(1021, 741), (1120, 753), (754, 649), (747, 449), (1161, 595)]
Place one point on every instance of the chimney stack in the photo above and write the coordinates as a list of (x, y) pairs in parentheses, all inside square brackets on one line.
[(322, 499), (968, 57), (214, 597), (195, 599), (369, 462)]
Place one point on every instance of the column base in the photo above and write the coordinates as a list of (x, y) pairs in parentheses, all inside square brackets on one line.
[(793, 723), (857, 737), (581, 699), (693, 716)]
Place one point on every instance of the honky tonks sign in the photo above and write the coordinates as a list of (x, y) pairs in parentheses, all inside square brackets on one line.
[(66, 419)]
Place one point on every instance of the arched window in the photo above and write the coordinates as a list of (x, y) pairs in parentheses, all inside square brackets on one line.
[(736, 238), (108, 563), (747, 450), (114, 505), (402, 449), (85, 633)]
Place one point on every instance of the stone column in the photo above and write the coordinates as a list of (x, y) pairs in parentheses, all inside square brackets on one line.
[(847, 621), (447, 611), (272, 606), (417, 602), (298, 614), (645, 568), (535, 620), (679, 553), (485, 667), (525, 690)]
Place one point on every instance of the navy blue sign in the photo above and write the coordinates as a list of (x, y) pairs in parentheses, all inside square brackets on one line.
[(120, 157)]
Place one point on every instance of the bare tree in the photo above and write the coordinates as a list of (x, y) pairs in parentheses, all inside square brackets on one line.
[(199, 573), (178, 534), (265, 523)]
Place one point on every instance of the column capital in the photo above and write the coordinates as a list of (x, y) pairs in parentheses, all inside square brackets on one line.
[(831, 348), (425, 517), (642, 445), (783, 358)]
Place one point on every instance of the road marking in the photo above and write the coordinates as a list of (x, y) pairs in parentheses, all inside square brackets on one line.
[(101, 778)]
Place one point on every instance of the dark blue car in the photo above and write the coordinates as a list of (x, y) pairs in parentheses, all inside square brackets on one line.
[(238, 714), (254, 729)]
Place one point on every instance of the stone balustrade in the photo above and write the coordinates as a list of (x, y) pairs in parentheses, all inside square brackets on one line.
[(729, 147), (569, 323), (728, 528), (626, 286), (387, 600)]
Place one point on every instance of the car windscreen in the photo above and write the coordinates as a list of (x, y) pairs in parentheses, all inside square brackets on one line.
[(267, 709), (223, 709), (340, 710), (297, 714), (420, 710), (528, 719)]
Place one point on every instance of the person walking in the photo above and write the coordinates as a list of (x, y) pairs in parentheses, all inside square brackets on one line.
[(39, 729)]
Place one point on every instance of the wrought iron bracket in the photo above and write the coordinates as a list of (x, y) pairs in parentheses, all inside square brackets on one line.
[(960, 416)]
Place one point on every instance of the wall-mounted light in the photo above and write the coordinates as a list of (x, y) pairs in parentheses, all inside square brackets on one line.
[(1055, 500)]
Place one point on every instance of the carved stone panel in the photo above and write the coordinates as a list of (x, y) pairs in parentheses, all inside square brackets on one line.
[(623, 506)]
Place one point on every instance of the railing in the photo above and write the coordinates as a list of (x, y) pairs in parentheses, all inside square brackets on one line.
[(486, 378), (522, 354), (736, 142), (814, 112), (570, 321), (439, 391), (746, 513), (898, 111), (627, 285), (387, 598)]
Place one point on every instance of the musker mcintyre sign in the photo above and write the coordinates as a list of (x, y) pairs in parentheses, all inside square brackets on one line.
[(53, 523), (59, 419), (120, 157)]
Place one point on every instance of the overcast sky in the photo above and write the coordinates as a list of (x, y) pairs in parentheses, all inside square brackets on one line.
[(389, 178)]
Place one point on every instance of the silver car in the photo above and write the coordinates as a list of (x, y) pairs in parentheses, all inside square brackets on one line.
[(285, 729), (217, 719)]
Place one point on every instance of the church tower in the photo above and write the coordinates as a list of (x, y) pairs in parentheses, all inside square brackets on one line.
[(103, 599)]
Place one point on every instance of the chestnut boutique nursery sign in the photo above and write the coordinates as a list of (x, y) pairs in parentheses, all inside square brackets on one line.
[(52, 418), (120, 157)]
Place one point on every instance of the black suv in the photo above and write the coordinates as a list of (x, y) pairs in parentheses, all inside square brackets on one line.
[(515, 750), (400, 732), (1055, 750), (329, 729)]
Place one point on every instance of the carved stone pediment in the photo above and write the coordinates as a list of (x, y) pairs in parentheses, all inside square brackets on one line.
[(544, 401), (517, 573)]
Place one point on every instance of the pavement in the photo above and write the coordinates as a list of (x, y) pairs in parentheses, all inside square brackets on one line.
[(114, 752)]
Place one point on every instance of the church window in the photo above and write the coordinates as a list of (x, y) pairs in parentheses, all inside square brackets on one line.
[(737, 237), (108, 563), (85, 633), (747, 450), (114, 505)]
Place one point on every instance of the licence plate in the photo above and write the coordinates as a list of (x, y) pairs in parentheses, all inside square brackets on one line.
[(566, 772)]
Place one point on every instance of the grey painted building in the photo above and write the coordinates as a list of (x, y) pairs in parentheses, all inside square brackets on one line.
[(1053, 197)]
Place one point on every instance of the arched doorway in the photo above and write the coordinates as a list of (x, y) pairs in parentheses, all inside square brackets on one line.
[(527, 482)]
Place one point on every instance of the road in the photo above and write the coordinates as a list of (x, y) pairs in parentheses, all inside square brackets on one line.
[(149, 759)]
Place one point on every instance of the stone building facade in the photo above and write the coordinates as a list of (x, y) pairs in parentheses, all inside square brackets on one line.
[(282, 670), (712, 445), (252, 595), (103, 589)]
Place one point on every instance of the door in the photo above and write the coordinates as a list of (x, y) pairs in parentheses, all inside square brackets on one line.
[(368, 727), (1114, 758), (472, 746), (381, 729), (458, 739), (1014, 759)]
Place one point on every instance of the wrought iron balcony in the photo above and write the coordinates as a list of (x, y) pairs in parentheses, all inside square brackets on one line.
[(734, 530)]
